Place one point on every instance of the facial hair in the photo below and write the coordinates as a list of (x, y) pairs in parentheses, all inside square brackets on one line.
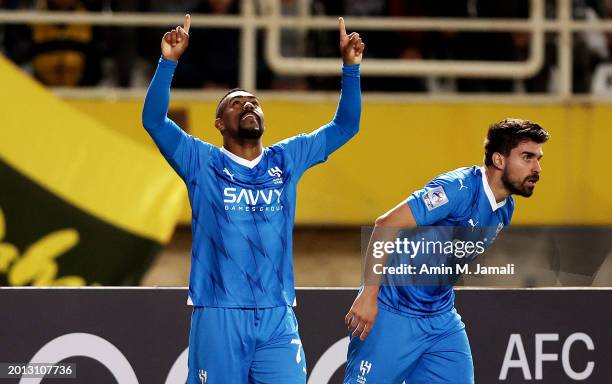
[(516, 188), (250, 133)]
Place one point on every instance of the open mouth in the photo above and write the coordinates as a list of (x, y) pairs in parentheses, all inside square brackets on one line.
[(249, 115), (531, 182)]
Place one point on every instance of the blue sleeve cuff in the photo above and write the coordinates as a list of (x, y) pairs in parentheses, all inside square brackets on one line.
[(350, 70), (163, 62)]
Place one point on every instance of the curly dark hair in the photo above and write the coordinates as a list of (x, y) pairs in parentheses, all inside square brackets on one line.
[(505, 135)]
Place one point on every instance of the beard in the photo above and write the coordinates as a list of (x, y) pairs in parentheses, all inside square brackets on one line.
[(251, 132), (519, 187)]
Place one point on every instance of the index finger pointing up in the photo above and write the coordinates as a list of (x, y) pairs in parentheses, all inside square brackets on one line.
[(187, 24), (342, 27)]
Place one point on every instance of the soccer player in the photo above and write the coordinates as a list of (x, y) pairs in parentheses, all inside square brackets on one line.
[(411, 332), (242, 195)]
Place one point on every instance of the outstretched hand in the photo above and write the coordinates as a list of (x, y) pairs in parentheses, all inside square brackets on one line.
[(351, 46), (175, 42)]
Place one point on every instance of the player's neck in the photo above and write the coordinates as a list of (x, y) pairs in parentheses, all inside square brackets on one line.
[(247, 149), (500, 192)]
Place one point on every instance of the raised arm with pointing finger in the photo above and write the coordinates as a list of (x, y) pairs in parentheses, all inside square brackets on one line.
[(167, 134), (164, 131), (349, 107), (243, 198), (322, 142)]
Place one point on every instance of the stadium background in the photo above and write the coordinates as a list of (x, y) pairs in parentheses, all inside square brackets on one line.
[(86, 199)]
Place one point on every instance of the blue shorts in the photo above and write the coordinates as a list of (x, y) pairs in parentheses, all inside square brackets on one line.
[(411, 350), (255, 346)]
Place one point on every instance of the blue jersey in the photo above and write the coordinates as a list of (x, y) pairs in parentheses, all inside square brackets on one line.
[(460, 198), (243, 220), (243, 211)]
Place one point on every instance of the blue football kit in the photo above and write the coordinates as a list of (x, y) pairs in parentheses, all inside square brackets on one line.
[(418, 336), (243, 328)]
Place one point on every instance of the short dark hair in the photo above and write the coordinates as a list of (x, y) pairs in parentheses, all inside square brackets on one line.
[(218, 112), (505, 135)]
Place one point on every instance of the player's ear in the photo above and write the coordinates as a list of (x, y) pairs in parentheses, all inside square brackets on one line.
[(499, 161), (219, 124)]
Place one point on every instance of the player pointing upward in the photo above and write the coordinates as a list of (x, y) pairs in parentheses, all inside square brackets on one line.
[(242, 197)]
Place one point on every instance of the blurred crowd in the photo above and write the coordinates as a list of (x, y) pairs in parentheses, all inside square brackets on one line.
[(85, 55)]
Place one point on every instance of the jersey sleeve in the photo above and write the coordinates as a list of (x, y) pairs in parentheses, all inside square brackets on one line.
[(305, 150), (182, 151), (441, 198), (345, 123), (188, 157)]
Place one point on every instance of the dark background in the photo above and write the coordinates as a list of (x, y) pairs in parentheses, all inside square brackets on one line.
[(150, 327)]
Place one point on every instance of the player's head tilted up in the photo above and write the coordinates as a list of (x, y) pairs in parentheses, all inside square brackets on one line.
[(239, 116), (513, 150)]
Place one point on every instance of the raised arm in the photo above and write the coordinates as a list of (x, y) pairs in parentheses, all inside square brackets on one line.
[(164, 131), (346, 121)]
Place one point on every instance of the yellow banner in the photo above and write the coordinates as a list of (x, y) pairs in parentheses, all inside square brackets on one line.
[(401, 146), (79, 159)]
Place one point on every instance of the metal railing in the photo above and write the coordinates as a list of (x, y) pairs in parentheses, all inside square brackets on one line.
[(398, 67), (270, 19)]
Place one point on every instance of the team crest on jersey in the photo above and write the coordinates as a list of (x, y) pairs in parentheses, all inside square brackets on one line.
[(277, 173), (203, 376), (364, 369), (435, 198)]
